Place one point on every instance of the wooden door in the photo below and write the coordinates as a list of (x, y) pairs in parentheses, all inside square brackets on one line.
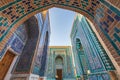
[(59, 74), (5, 64)]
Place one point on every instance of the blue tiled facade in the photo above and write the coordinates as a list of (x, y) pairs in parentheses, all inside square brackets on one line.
[(59, 57), (96, 60), (40, 62), (105, 14), (17, 41), (31, 38)]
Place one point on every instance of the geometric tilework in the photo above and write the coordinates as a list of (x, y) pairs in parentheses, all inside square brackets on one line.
[(21, 32), (64, 54), (15, 42), (91, 47), (15, 12), (26, 58), (105, 23), (40, 61), (23, 7), (89, 51), (106, 19), (82, 57), (17, 45), (116, 38), (3, 24), (103, 76)]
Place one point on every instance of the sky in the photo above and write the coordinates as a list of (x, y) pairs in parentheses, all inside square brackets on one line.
[(61, 21)]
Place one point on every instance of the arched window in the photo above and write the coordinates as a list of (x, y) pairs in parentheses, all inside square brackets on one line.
[(79, 45), (59, 60)]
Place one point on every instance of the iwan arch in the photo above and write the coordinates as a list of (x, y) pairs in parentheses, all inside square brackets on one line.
[(104, 14)]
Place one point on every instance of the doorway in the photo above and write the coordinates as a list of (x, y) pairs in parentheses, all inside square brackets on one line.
[(5, 64), (59, 74)]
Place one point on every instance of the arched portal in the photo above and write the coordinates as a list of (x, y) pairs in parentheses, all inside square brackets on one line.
[(59, 67), (59, 62), (104, 14), (82, 58)]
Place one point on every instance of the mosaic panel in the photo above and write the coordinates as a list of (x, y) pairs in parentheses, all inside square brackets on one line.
[(94, 62), (104, 57), (107, 21), (94, 77), (18, 9), (12, 12), (82, 56), (96, 57), (17, 41), (17, 45), (22, 32), (26, 58), (90, 46), (24, 7), (103, 76), (60, 52), (3, 25)]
